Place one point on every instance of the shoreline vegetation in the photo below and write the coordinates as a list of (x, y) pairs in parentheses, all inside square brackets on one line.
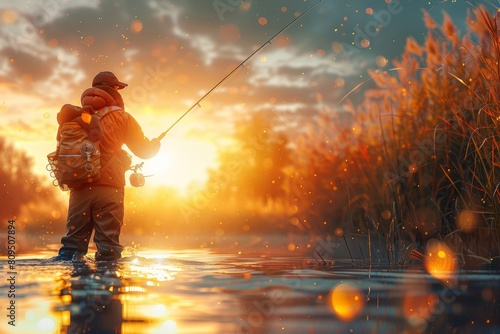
[(412, 169)]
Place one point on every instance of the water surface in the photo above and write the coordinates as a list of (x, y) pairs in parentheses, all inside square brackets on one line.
[(203, 291)]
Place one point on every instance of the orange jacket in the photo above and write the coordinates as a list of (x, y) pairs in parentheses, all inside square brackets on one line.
[(119, 127)]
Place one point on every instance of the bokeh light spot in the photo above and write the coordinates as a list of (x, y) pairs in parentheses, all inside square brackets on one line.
[(337, 47), (381, 61), (339, 82), (282, 41), (262, 21), (347, 301), (418, 303), (9, 16), (440, 261), (245, 6), (136, 26), (386, 214), (466, 221)]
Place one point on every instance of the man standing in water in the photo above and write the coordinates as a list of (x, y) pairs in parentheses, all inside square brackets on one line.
[(99, 205)]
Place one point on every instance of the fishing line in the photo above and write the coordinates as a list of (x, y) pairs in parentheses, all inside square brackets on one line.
[(240, 65)]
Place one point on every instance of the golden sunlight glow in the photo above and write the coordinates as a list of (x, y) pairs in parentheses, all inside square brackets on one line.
[(440, 261), (46, 324), (181, 164), (148, 311), (142, 309), (168, 327), (36, 315), (157, 272), (347, 301)]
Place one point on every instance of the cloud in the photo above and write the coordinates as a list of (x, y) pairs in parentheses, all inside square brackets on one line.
[(31, 61), (173, 52), (82, 38), (285, 68)]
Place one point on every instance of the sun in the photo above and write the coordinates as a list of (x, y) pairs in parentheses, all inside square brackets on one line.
[(181, 164)]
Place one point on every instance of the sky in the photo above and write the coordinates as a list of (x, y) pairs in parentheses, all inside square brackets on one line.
[(172, 52)]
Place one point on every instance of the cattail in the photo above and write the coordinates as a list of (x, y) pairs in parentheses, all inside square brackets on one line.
[(472, 24), (412, 66), (497, 22), (428, 20), (375, 94), (413, 47), (448, 28), (431, 47)]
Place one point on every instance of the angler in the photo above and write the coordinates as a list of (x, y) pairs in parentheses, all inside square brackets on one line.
[(95, 135)]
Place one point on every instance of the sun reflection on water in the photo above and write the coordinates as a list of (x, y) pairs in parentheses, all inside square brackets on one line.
[(195, 292), (117, 297), (35, 316), (158, 272), (140, 305)]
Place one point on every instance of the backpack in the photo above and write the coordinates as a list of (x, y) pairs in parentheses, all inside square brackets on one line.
[(77, 159)]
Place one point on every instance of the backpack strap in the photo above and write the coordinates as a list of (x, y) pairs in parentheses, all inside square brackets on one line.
[(102, 113)]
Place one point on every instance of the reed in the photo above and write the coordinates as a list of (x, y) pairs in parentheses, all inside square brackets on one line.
[(421, 157), (439, 118)]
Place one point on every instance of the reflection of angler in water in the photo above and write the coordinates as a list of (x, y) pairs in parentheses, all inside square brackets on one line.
[(90, 300)]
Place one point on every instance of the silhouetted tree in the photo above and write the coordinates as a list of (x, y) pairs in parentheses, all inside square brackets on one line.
[(19, 186)]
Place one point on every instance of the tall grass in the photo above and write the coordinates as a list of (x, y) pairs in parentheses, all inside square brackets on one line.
[(421, 159), (439, 126)]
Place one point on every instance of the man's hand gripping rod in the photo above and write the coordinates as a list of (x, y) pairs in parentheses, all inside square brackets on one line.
[(197, 103)]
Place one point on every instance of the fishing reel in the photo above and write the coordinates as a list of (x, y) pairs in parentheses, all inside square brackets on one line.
[(137, 179)]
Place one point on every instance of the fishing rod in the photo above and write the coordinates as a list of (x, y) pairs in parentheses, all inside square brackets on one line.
[(240, 65)]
